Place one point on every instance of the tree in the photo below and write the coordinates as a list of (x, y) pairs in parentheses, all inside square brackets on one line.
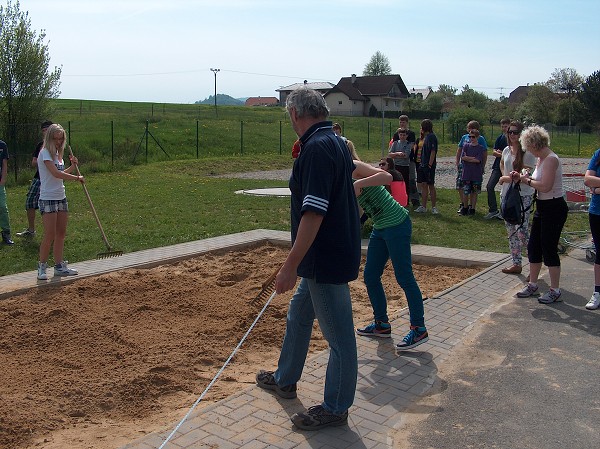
[(566, 81), (590, 96), (26, 84), (472, 99), (377, 65), (539, 105), (434, 102), (448, 92)]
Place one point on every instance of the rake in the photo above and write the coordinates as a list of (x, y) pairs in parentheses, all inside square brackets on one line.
[(268, 287), (110, 252)]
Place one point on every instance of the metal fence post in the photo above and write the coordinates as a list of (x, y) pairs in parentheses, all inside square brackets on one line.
[(146, 141), (197, 139), (112, 143), (280, 137), (242, 136)]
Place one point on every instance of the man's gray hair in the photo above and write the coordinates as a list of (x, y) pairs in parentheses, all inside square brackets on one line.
[(307, 102)]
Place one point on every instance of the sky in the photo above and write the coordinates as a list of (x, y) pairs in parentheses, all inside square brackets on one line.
[(163, 50)]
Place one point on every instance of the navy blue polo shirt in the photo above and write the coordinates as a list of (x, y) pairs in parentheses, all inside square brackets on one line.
[(500, 144), (321, 182)]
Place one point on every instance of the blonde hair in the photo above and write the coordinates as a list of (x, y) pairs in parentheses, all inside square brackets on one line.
[(49, 144), (352, 150), (534, 137)]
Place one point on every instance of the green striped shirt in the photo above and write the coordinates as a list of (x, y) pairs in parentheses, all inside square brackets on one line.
[(383, 209)]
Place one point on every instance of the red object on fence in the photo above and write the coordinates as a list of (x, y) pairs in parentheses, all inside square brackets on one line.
[(574, 187)]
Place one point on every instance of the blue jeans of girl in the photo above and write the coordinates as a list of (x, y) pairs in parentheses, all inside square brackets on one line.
[(393, 243)]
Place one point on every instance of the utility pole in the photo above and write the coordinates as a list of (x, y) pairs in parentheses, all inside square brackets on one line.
[(215, 71)]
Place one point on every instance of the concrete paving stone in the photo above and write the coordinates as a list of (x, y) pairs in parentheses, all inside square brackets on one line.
[(188, 438), (362, 406), (247, 436), (213, 441), (373, 424), (277, 441), (218, 420), (420, 388), (375, 437), (244, 411), (225, 432), (412, 379), (255, 444)]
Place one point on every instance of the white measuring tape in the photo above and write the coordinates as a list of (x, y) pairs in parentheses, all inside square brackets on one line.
[(187, 415)]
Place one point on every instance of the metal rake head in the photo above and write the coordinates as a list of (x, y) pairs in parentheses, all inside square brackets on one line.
[(268, 287), (108, 254)]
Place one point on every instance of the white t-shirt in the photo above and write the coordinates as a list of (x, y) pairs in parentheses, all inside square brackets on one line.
[(529, 160), (51, 188), (557, 187)]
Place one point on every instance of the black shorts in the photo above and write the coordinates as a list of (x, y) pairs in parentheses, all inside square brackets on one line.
[(426, 174)]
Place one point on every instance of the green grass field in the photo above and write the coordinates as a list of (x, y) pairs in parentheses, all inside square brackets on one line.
[(111, 136)]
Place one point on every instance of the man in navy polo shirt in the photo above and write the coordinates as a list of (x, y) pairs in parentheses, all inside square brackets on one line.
[(326, 255)]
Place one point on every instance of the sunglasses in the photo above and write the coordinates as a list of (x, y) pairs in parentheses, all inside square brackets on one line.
[(473, 137), (514, 132)]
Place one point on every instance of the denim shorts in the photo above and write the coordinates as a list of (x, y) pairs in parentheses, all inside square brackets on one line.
[(50, 206)]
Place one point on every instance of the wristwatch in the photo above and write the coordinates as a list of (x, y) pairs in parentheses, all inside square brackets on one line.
[(529, 182)]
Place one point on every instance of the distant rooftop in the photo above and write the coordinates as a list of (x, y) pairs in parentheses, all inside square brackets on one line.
[(316, 86)]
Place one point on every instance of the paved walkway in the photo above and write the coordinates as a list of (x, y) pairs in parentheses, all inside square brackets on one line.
[(388, 383)]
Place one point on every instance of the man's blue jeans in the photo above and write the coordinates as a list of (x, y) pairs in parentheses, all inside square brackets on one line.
[(330, 304), (393, 243)]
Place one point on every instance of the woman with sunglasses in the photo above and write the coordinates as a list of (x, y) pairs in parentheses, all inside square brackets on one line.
[(516, 159)]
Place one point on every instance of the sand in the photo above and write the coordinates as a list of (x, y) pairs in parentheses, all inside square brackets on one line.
[(105, 360)]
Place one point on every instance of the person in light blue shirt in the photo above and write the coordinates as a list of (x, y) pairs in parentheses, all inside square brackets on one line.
[(592, 180)]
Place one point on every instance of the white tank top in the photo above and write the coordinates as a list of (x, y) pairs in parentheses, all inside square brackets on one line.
[(557, 188)]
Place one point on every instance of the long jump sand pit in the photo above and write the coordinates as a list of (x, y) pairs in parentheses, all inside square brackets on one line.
[(102, 361)]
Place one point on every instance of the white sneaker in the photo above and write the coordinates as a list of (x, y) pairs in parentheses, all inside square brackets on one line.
[(434, 211), (62, 269), (594, 302), (420, 210), (42, 276)]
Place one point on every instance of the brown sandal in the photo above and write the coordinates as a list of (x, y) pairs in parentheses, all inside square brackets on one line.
[(515, 269)]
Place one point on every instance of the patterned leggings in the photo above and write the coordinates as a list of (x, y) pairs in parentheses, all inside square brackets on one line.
[(518, 235)]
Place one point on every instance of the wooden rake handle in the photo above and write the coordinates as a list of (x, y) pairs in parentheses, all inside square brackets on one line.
[(87, 195)]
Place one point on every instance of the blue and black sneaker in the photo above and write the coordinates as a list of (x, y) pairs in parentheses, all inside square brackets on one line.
[(416, 336), (380, 329)]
